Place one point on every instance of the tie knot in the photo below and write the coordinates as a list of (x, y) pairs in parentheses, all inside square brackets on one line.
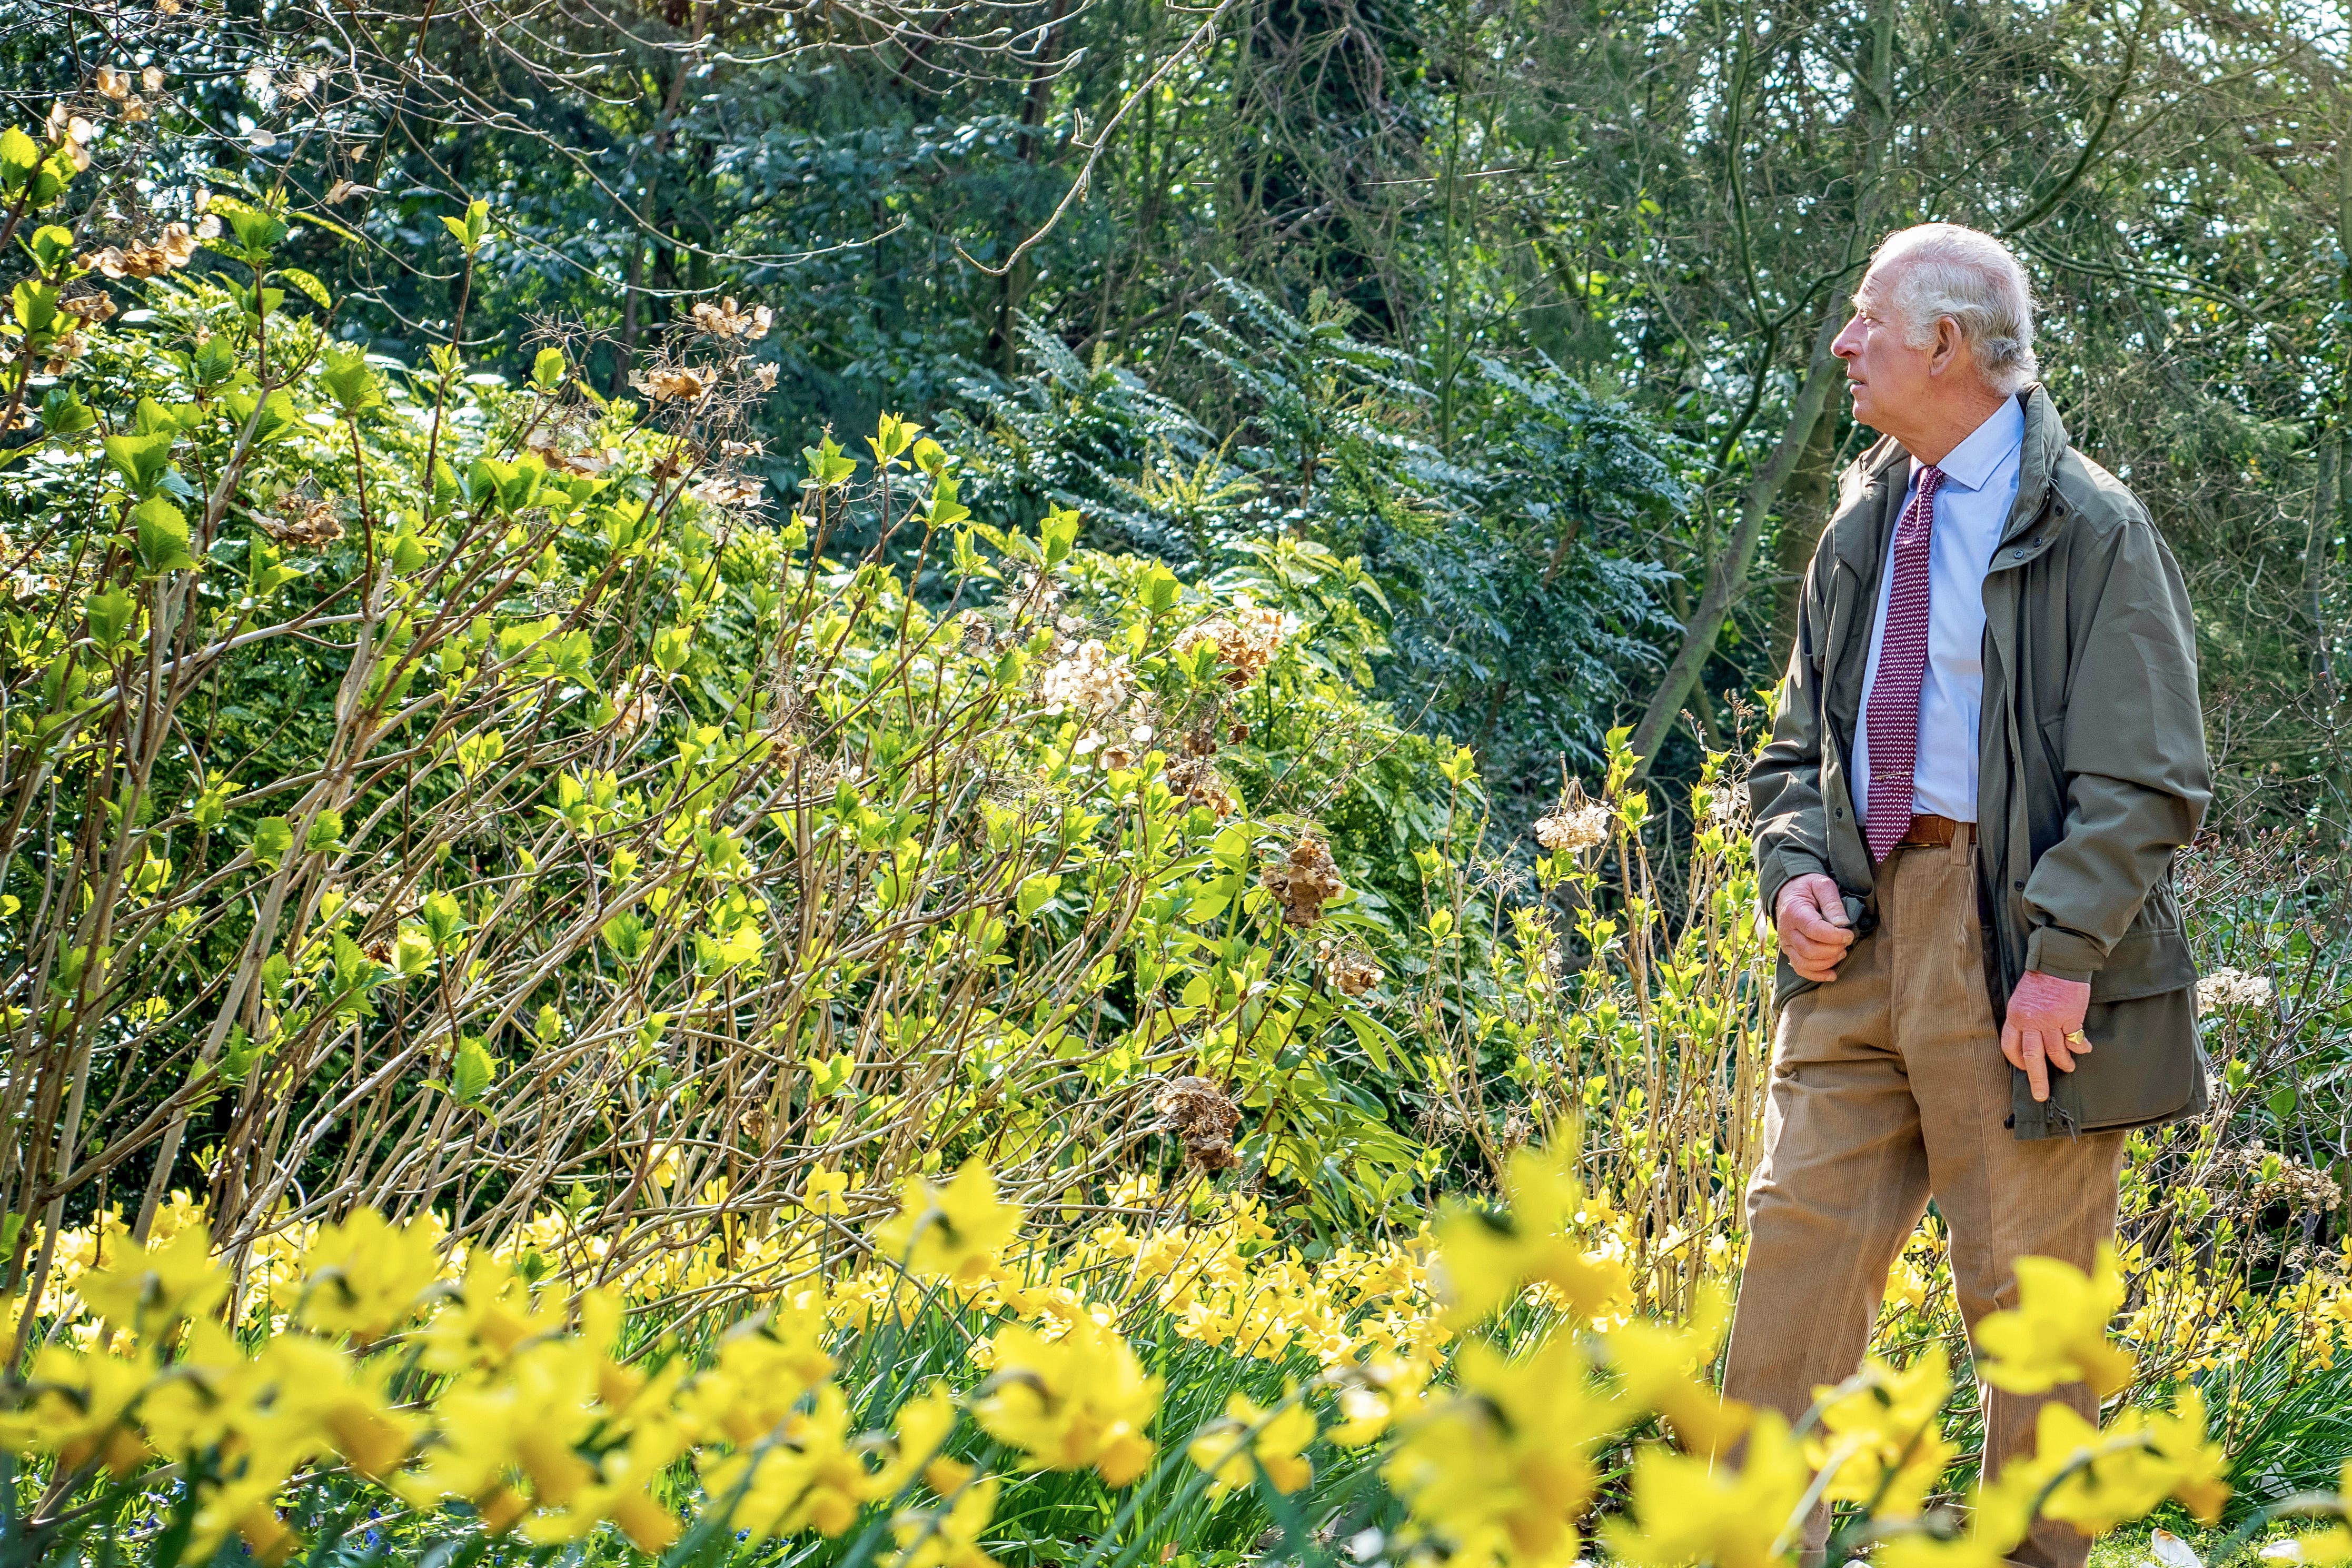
[(1930, 477)]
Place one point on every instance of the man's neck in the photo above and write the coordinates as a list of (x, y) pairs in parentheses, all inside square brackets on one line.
[(1947, 426)]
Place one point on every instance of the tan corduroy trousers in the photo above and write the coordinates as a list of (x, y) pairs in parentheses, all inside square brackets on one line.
[(1889, 1087)]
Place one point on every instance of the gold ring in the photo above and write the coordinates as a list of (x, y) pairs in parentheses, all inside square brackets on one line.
[(2078, 1035)]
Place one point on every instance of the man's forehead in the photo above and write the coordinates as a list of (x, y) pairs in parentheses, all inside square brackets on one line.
[(1872, 287)]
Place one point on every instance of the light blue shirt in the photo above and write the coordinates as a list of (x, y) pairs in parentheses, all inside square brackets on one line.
[(1972, 507)]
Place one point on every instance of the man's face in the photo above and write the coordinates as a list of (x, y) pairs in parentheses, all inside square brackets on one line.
[(1888, 376)]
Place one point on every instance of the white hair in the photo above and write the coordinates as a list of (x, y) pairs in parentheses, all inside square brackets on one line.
[(1939, 269)]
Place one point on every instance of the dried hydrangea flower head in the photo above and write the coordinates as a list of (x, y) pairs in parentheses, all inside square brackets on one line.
[(1087, 679), (1205, 1117), (309, 524), (1575, 824), (1350, 968), (726, 489), (1303, 880), (674, 383), (2227, 990), (1196, 779), (1246, 637), (175, 246), (728, 319)]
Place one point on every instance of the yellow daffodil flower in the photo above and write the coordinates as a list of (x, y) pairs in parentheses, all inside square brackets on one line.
[(1659, 1365), (1500, 1469), (822, 1192), (1690, 1510), (367, 1276), (923, 1425), (1486, 1258), (953, 1230), (811, 1478), (1878, 1435), (1226, 1448), (2104, 1478), (2325, 1548), (1073, 1402), (948, 1537), (78, 1410), (144, 1291), (2058, 1331)]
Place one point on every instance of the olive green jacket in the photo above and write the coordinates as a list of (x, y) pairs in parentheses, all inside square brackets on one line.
[(2091, 767)]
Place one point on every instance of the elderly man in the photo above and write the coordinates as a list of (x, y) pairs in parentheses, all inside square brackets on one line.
[(1988, 749)]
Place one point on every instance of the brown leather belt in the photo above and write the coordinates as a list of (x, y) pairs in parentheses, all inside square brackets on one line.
[(1936, 833)]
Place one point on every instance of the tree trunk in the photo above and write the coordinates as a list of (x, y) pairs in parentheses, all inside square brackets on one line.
[(1004, 349), (1727, 580), (1803, 515)]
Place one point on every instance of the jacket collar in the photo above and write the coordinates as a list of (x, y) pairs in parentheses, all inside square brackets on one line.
[(1881, 476), (2037, 472)]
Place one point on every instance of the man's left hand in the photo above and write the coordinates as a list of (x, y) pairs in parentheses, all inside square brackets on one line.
[(2045, 1027)]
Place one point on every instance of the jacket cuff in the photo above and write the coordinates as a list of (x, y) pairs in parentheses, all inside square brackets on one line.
[(1777, 871), (2062, 955)]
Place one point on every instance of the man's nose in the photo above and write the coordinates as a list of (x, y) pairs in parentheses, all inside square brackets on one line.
[(1848, 341)]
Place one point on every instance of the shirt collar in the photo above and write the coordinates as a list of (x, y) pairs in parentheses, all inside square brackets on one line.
[(1973, 463)]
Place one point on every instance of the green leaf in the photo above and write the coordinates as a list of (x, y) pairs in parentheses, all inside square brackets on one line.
[(254, 232), (163, 536), (412, 952), (350, 385), (278, 417), (272, 837), (20, 156), (945, 512), (672, 646), (326, 831), (474, 1070), (1059, 534), (443, 917), (547, 369), (478, 753), (264, 574), (891, 437), (826, 466), (35, 305), (1375, 1040), (469, 230), (50, 246), (110, 612), (310, 287), (63, 412), (142, 461), (625, 933), (207, 809), (238, 1054), (1034, 891)]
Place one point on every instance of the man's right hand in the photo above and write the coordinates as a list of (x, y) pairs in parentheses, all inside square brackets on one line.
[(1814, 935)]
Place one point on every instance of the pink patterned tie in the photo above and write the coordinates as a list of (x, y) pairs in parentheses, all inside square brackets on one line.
[(1893, 706)]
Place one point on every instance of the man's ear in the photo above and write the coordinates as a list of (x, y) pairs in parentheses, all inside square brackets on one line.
[(1949, 346)]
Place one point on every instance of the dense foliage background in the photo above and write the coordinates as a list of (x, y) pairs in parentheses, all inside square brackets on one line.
[(1523, 303), (672, 644)]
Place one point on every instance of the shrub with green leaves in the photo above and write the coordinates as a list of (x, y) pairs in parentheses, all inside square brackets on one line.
[(431, 793)]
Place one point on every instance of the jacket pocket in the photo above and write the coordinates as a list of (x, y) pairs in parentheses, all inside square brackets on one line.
[(2052, 731), (1788, 983), (2145, 963)]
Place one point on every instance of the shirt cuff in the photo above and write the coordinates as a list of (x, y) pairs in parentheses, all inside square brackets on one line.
[(2062, 955)]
